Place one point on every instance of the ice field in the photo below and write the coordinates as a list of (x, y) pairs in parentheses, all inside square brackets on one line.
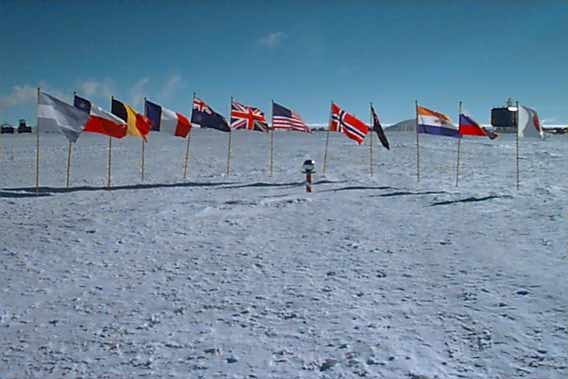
[(248, 276)]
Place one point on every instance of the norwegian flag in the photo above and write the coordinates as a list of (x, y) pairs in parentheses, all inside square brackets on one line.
[(347, 124), (248, 118)]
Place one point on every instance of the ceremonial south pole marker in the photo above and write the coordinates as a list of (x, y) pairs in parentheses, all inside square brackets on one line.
[(309, 168)]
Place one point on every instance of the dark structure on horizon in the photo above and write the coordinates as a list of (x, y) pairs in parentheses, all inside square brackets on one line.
[(23, 128), (6, 128)]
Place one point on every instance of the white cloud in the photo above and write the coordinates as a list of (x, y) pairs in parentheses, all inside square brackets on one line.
[(170, 87), (19, 95), (138, 91), (96, 88), (272, 40)]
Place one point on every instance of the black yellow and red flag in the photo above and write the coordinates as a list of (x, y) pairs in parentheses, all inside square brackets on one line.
[(137, 125)]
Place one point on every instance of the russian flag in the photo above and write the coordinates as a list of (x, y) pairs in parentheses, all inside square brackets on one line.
[(468, 127), (163, 119)]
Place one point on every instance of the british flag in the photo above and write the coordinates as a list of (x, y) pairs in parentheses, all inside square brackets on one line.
[(249, 118), (347, 124)]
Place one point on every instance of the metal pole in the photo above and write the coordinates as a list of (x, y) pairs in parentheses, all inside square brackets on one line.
[(417, 146), (230, 138), (186, 160), (371, 141), (69, 148), (142, 160), (517, 146), (109, 160), (271, 142), (37, 147), (327, 142), (459, 145)]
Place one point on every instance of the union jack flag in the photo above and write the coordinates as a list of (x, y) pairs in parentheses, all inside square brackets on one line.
[(347, 124), (249, 118)]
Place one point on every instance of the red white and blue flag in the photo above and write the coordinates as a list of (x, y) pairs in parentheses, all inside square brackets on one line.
[(286, 119), (163, 119), (204, 116), (248, 118), (468, 127), (347, 124)]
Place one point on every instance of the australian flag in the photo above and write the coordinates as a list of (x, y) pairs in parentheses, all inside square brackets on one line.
[(206, 117)]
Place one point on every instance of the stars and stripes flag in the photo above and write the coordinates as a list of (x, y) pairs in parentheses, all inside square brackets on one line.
[(287, 119), (347, 124), (248, 118)]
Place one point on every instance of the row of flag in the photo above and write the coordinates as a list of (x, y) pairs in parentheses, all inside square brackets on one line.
[(123, 120)]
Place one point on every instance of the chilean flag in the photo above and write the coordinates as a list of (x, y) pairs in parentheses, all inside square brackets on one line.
[(163, 119), (468, 127), (100, 121)]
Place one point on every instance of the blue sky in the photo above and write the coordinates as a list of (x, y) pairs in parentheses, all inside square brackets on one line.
[(300, 53)]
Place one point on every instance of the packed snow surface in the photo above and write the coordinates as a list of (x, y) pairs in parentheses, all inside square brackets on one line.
[(249, 276)]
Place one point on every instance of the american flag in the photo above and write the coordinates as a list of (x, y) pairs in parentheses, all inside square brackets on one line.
[(284, 118), (347, 124), (249, 118)]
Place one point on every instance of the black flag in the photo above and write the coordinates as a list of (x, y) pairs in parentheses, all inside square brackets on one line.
[(379, 129)]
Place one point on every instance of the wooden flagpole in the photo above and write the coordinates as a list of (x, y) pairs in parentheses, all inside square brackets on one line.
[(371, 141), (271, 142), (142, 150), (517, 146), (417, 145), (37, 146), (109, 160), (142, 160), (327, 142), (186, 159), (229, 142), (69, 148), (459, 146)]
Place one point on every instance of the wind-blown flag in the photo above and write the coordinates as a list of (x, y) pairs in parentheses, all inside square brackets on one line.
[(284, 118), (529, 124), (430, 122), (206, 117), (248, 118), (347, 124), (137, 124), (163, 119), (100, 121), (379, 129), (468, 127), (54, 112)]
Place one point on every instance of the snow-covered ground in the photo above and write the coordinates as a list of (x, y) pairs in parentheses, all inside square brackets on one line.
[(248, 276)]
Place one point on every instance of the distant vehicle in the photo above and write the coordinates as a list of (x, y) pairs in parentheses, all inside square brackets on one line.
[(6, 128), (23, 128)]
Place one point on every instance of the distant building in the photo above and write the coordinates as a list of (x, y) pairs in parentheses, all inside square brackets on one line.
[(23, 128), (6, 128)]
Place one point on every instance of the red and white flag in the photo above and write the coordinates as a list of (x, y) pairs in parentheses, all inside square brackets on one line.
[(100, 121), (347, 124)]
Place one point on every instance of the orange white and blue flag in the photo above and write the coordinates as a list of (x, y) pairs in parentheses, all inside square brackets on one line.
[(431, 122)]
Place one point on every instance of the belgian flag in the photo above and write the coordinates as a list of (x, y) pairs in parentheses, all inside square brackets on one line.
[(137, 125)]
